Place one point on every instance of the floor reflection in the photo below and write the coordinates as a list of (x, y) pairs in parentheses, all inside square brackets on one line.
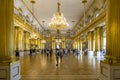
[(72, 67)]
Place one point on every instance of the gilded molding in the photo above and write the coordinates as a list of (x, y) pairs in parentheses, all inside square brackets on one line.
[(93, 24), (22, 24)]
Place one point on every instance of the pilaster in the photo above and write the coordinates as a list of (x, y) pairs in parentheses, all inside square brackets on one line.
[(40, 44), (80, 44), (97, 39), (110, 67), (101, 37), (97, 42), (8, 69), (90, 41), (20, 39), (6, 29), (26, 41), (90, 44), (63, 44)]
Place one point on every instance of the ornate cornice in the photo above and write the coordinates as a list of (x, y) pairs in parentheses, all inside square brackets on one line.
[(19, 22), (94, 23)]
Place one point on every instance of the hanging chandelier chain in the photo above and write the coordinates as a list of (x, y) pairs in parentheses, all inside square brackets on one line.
[(32, 2), (84, 2), (58, 9)]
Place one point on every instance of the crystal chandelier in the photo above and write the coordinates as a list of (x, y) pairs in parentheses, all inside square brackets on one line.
[(58, 21)]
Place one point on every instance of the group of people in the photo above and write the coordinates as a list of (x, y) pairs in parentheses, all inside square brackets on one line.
[(17, 52), (47, 51), (76, 51), (32, 51), (58, 52)]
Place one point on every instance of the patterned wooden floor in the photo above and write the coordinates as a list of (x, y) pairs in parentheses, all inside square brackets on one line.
[(72, 67)]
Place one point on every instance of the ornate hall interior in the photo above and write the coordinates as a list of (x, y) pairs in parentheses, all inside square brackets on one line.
[(60, 40)]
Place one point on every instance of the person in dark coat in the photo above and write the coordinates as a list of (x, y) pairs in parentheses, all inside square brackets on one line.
[(51, 51), (17, 53), (31, 51)]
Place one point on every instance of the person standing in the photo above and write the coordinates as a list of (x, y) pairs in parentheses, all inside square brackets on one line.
[(17, 53), (61, 53), (57, 56), (31, 51), (51, 51)]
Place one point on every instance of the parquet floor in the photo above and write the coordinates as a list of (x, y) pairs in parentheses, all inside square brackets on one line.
[(72, 67)]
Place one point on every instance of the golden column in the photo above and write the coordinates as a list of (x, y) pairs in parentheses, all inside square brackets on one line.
[(113, 30), (30, 43), (63, 44), (101, 37), (72, 45), (8, 66), (97, 39), (93, 47), (34, 43), (38, 43), (90, 41), (15, 38), (20, 39), (43, 44), (53, 44), (80, 44), (26, 41), (6, 29), (110, 67), (75, 44)]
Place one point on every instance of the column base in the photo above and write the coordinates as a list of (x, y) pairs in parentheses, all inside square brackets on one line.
[(80, 51), (54, 51), (21, 53), (10, 70), (90, 54), (97, 54), (26, 52), (6, 58), (109, 71)]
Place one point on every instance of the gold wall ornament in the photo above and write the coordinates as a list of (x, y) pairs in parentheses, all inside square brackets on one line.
[(84, 1), (58, 21), (32, 1)]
